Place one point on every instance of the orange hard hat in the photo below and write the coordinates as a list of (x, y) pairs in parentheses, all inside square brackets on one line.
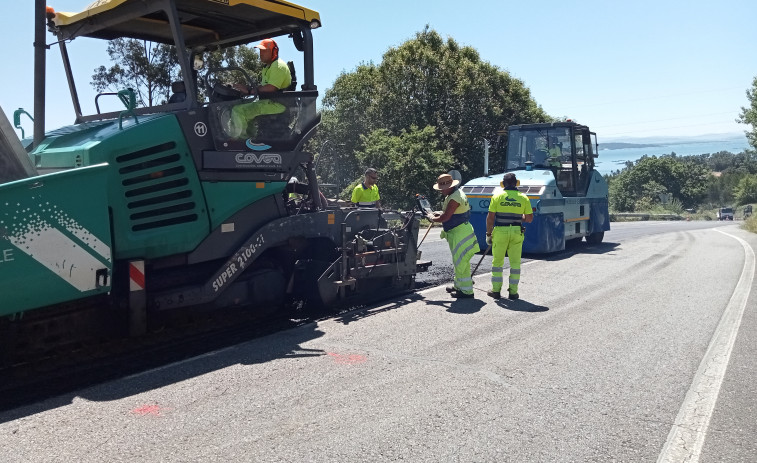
[(267, 44)]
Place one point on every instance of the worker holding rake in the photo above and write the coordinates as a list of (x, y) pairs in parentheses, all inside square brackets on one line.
[(458, 232)]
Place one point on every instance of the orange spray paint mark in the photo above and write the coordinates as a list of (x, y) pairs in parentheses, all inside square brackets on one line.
[(145, 410), (351, 359)]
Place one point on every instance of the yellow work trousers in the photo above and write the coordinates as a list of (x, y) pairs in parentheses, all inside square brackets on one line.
[(463, 245), (506, 240), (242, 116)]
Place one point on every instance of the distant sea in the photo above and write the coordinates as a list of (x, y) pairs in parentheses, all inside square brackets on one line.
[(610, 160)]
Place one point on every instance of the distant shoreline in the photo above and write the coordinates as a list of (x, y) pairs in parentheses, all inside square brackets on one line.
[(654, 142), (622, 153), (619, 146)]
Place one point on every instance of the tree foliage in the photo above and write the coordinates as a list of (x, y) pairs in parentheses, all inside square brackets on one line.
[(149, 68), (426, 82), (709, 180), (639, 188), (749, 114), (406, 162), (146, 67), (746, 190), (727, 162), (728, 171), (243, 57)]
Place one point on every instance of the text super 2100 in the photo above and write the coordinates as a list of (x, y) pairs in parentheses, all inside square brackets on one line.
[(242, 257)]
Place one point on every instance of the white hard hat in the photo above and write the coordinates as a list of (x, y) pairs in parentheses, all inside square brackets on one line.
[(294, 180)]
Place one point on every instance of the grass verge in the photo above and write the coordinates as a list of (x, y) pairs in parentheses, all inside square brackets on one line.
[(750, 224)]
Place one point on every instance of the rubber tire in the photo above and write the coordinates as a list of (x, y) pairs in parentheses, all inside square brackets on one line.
[(595, 238)]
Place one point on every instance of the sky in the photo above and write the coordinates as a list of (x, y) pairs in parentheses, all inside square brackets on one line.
[(628, 70)]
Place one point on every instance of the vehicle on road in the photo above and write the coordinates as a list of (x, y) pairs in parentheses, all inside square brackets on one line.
[(130, 214), (554, 164), (725, 213)]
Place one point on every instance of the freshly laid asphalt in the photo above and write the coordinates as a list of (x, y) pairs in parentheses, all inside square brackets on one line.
[(594, 363)]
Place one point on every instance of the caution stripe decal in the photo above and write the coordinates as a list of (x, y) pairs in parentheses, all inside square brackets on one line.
[(61, 255), (137, 275)]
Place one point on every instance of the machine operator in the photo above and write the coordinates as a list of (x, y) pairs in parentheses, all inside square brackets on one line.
[(274, 77)]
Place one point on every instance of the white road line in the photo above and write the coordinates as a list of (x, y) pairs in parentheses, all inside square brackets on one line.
[(686, 437)]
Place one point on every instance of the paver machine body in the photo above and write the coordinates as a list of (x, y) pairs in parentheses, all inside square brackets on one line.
[(154, 209)]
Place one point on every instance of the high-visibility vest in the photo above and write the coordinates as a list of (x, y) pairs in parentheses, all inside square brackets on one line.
[(364, 196), (509, 207), (462, 212)]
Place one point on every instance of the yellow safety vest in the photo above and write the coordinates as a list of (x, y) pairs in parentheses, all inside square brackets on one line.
[(509, 207), (365, 197), (462, 212)]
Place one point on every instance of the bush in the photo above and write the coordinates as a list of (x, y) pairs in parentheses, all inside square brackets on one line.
[(750, 224)]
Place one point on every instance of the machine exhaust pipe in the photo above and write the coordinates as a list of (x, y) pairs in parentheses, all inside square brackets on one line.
[(486, 157)]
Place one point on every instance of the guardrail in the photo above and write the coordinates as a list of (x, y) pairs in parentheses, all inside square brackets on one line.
[(640, 217)]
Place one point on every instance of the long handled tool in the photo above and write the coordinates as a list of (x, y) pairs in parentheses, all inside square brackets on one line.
[(425, 207), (426, 234), (489, 248)]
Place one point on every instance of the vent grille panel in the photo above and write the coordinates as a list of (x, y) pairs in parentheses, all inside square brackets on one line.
[(156, 188)]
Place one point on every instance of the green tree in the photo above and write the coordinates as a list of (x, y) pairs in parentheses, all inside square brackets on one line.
[(344, 120), (728, 170), (406, 163), (427, 81), (746, 191), (749, 114), (638, 187), (146, 67), (650, 194), (621, 192), (243, 57), (149, 68)]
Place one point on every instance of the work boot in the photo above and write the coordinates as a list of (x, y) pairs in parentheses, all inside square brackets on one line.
[(450, 289), (493, 294), (461, 295), (512, 295)]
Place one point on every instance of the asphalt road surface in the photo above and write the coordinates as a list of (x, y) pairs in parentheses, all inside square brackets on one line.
[(638, 349)]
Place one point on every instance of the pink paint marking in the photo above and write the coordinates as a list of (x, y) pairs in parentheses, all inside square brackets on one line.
[(145, 410), (351, 359)]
